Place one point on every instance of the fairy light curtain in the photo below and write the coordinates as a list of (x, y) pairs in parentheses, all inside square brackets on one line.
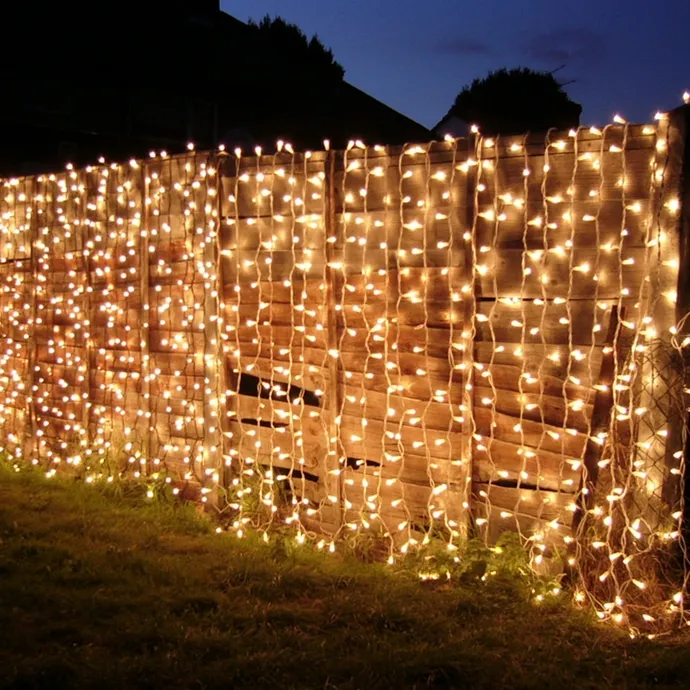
[(415, 343)]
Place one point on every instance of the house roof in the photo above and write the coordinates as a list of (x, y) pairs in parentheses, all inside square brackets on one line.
[(375, 121), (335, 110), (106, 108), (453, 125)]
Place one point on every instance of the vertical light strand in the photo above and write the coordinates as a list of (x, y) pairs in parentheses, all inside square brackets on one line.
[(493, 216), (341, 245), (332, 354), (212, 379), (534, 455), (268, 477), (621, 464), (216, 202), (525, 271), (238, 438), (595, 328), (255, 235), (307, 317), (622, 401), (623, 482), (373, 502), (358, 256), (432, 513), (389, 457), (31, 446), (540, 259), (294, 324), (144, 247), (405, 527), (608, 521), (85, 368), (650, 441), (165, 452), (569, 218), (472, 445), (455, 466)]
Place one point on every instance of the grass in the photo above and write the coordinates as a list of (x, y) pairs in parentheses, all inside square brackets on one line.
[(99, 591)]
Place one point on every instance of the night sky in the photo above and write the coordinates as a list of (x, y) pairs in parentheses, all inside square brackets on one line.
[(625, 56)]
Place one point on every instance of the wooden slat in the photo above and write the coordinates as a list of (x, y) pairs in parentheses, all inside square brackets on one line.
[(287, 444), (500, 461), (396, 409), (397, 501), (543, 505), (502, 321), (552, 363), (528, 433), (374, 440), (549, 409)]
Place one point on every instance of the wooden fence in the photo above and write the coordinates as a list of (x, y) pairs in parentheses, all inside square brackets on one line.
[(414, 341)]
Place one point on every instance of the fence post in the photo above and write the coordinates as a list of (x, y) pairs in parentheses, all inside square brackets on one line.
[(334, 469)]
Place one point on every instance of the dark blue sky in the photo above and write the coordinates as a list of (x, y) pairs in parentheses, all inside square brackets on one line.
[(627, 56)]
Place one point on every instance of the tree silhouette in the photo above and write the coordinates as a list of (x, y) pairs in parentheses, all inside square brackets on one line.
[(287, 51), (516, 101)]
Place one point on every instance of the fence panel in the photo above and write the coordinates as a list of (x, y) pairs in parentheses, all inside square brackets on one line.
[(416, 343)]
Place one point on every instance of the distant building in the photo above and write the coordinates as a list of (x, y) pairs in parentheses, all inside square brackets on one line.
[(155, 74)]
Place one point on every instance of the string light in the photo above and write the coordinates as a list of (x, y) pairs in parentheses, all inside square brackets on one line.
[(403, 343)]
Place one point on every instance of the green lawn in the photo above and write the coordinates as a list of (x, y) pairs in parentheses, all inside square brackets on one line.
[(100, 591)]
